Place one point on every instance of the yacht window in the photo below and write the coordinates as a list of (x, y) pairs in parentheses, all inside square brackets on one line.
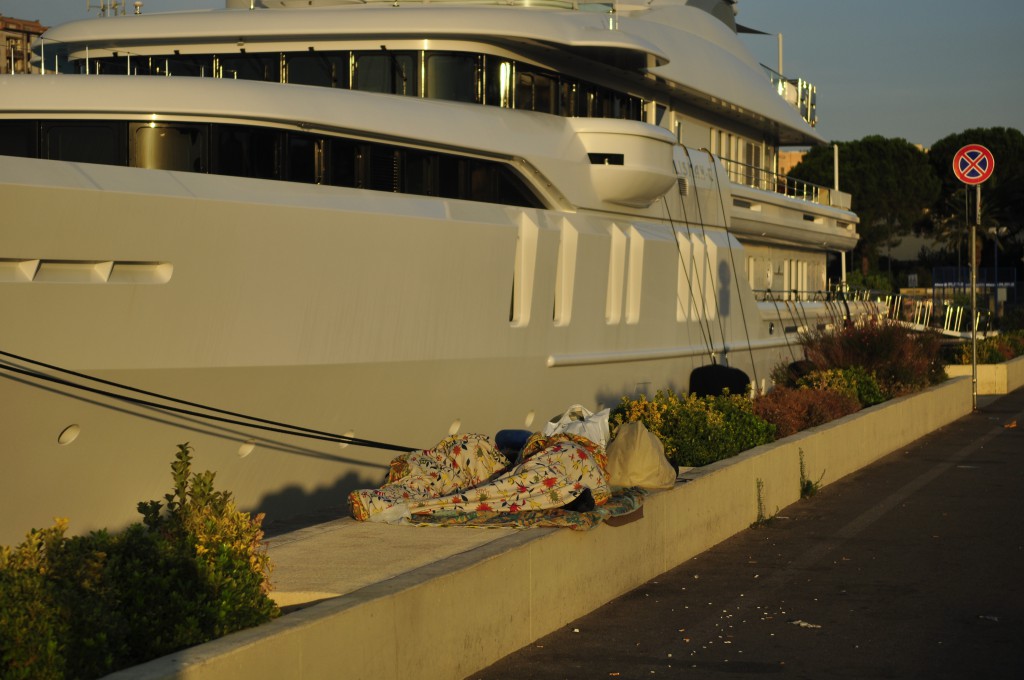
[(386, 71), (659, 114), (453, 76), (568, 97), (85, 142), (303, 158), (382, 168), (198, 65), (245, 151), (512, 190), (267, 153), (545, 93), (498, 78), (597, 103), (420, 174), (325, 69), (117, 66), (19, 138), (536, 92), (451, 177), (343, 160), (265, 67), (161, 146)]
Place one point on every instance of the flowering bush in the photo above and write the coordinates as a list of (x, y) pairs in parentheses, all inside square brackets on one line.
[(696, 430)]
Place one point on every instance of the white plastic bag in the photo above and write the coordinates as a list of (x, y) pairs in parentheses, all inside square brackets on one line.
[(637, 458), (579, 420)]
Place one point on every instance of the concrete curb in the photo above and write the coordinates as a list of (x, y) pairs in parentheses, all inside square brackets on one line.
[(455, 616), (993, 378)]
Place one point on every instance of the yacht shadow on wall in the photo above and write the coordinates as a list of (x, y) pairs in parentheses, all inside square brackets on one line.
[(293, 508), (725, 274)]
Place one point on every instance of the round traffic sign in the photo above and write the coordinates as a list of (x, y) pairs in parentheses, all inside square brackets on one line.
[(973, 164)]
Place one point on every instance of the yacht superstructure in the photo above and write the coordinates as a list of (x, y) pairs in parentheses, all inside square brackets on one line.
[(384, 222)]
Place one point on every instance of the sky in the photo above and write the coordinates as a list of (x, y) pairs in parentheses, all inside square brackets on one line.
[(915, 69)]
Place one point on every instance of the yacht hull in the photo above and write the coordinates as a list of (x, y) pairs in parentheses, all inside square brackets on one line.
[(397, 319)]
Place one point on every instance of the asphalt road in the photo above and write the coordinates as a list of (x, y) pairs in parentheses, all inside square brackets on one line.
[(910, 568)]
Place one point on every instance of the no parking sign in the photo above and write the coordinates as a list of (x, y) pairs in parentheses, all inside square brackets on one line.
[(973, 164)]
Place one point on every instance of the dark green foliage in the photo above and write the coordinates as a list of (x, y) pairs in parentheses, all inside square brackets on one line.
[(792, 410), (853, 381), (85, 606), (892, 185), (713, 428), (697, 430), (31, 625), (1003, 201)]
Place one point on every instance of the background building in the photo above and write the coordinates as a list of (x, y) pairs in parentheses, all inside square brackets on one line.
[(16, 37)]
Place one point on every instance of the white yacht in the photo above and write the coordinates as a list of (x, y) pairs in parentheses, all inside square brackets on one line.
[(290, 233)]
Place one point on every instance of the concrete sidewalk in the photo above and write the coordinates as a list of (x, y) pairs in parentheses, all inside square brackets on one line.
[(909, 568), (342, 556)]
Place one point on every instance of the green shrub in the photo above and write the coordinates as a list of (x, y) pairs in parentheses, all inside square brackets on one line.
[(792, 410), (31, 625), (994, 350), (855, 382), (696, 430), (85, 606)]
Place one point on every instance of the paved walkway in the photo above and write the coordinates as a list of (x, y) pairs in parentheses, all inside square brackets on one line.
[(341, 556), (909, 568)]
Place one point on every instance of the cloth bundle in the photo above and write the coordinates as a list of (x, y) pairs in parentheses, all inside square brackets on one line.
[(467, 473)]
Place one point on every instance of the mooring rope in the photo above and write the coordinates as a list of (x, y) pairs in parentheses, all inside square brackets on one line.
[(235, 418)]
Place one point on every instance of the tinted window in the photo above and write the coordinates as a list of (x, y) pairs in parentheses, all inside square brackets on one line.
[(498, 82), (382, 168), (251, 67), (170, 147), (342, 162), (85, 142), (453, 77), (246, 151), (19, 138), (387, 72), (302, 158), (420, 172), (319, 68)]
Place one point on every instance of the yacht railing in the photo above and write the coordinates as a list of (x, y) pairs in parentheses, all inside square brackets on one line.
[(766, 180), (834, 293)]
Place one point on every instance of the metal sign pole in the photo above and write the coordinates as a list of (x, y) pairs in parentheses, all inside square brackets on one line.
[(974, 298), (973, 164)]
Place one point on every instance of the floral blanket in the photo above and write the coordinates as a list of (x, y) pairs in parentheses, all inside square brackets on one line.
[(623, 502), (466, 475)]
